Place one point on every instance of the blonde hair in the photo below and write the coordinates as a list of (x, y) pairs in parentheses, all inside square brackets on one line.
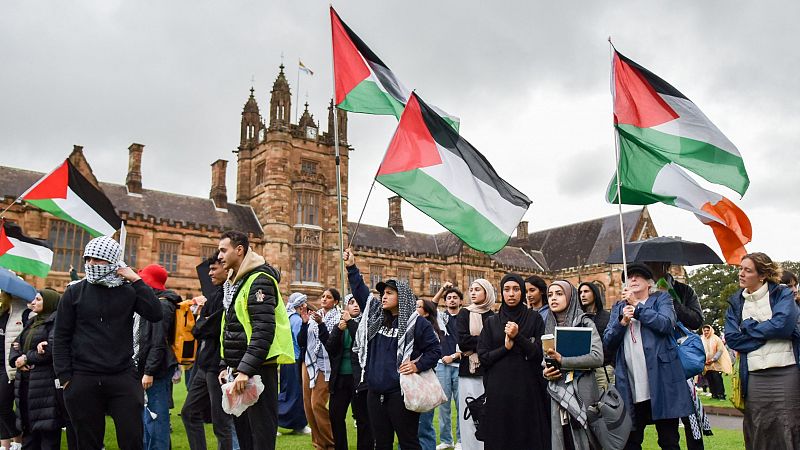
[(765, 267)]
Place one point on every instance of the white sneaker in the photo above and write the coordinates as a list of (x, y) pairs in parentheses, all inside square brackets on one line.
[(15, 446), (458, 446), (304, 430), (444, 446)]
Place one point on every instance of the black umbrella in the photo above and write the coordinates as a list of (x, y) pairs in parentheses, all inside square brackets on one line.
[(666, 249)]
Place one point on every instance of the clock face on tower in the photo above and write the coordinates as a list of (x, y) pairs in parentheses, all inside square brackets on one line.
[(311, 132)]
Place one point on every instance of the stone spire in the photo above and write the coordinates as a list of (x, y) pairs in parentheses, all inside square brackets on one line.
[(280, 103)]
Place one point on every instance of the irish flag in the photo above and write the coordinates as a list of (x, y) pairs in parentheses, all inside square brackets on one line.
[(364, 84), (659, 130), (23, 254), (68, 195), (445, 177)]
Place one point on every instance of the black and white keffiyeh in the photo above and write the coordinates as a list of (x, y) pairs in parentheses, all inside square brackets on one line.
[(317, 358), (107, 249)]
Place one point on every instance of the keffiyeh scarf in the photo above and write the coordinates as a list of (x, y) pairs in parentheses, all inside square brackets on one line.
[(107, 249), (295, 300), (316, 356)]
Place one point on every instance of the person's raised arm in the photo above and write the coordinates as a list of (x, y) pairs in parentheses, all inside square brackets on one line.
[(357, 286), (147, 305)]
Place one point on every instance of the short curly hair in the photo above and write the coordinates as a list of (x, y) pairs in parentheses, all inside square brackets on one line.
[(765, 266)]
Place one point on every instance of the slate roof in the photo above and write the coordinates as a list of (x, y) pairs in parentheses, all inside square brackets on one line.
[(163, 206)]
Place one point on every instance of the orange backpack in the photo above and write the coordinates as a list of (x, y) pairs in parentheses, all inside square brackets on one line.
[(184, 344)]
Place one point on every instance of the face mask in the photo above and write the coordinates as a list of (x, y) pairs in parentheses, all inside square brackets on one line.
[(103, 274)]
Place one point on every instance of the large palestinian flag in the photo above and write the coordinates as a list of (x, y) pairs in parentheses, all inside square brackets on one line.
[(68, 195), (23, 254), (445, 177), (364, 83), (658, 130)]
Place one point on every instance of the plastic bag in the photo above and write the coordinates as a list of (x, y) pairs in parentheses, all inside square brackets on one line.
[(236, 403)]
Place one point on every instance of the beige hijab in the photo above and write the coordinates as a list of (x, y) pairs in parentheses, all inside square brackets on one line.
[(476, 320)]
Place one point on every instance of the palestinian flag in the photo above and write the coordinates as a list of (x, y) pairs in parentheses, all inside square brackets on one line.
[(364, 84), (68, 195), (445, 177), (655, 117), (658, 130), (23, 254)]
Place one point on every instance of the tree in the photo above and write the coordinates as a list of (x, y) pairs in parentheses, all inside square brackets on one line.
[(713, 285)]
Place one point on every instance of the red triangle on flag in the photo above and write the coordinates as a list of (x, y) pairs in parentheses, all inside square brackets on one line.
[(5, 243), (412, 146), (635, 101), (53, 185), (348, 66)]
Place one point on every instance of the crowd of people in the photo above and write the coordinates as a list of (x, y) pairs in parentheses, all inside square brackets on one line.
[(103, 348)]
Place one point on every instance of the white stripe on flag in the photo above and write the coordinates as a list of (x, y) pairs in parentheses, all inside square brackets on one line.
[(693, 124), (30, 251), (79, 210)]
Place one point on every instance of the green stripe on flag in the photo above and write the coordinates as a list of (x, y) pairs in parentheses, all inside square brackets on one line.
[(433, 199), (368, 98), (24, 265), (51, 207), (710, 162), (638, 171)]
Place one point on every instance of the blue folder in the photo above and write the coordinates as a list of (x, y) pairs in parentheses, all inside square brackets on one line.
[(573, 341)]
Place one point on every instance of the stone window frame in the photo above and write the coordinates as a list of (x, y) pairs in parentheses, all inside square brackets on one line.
[(308, 167), (168, 255), (261, 172), (405, 273), (306, 264), (375, 274), (307, 213), (434, 281), (206, 251), (471, 275), (131, 255), (68, 245)]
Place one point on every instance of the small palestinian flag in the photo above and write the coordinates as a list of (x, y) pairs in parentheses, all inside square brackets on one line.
[(654, 116), (68, 195), (23, 254), (364, 84), (658, 130), (445, 177)]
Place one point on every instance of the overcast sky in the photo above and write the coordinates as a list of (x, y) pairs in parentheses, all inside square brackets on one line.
[(529, 80)]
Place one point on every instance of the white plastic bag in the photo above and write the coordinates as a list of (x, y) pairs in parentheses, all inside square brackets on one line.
[(235, 403), (422, 391)]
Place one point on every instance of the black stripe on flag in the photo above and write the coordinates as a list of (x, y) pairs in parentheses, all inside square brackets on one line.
[(447, 138), (660, 86), (14, 231), (93, 197)]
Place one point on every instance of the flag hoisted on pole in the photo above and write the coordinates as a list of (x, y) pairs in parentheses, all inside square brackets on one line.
[(659, 132), (300, 68), (337, 157), (23, 254), (444, 176)]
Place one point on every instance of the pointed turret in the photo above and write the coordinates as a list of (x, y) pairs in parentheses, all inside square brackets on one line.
[(280, 103), (251, 121)]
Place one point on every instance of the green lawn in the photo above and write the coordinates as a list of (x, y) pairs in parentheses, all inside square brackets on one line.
[(722, 439), (726, 379)]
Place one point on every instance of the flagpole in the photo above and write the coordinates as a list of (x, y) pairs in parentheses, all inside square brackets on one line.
[(297, 105), (338, 166), (617, 157), (363, 208), (123, 236), (2, 214)]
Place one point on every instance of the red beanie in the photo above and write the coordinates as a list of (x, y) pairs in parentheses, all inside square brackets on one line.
[(154, 276)]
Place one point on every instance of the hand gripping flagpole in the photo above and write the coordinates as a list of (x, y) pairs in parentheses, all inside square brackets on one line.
[(617, 155), (338, 168)]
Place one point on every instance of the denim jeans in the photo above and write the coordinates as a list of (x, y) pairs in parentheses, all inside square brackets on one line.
[(427, 435), (448, 378), (156, 430)]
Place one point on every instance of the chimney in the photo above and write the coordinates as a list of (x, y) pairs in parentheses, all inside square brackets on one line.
[(219, 193), (134, 178), (395, 218), (522, 230)]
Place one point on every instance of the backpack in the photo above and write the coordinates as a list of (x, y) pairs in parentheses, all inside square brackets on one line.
[(184, 345)]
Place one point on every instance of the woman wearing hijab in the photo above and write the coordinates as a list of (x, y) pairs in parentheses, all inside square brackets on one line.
[(291, 413), (573, 385), (469, 323), (510, 351), (317, 366), (717, 361), (39, 418)]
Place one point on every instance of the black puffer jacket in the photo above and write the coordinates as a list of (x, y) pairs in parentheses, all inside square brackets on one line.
[(334, 344), (261, 302), (156, 357), (35, 390), (206, 331)]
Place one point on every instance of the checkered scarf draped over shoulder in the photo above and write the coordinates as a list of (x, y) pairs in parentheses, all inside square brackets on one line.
[(373, 320), (107, 249)]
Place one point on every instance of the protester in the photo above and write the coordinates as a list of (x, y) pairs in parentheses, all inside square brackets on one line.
[(40, 416), (536, 294), (448, 367), (761, 324), (790, 280), (291, 414), (93, 346), (256, 337), (155, 360), (11, 309), (427, 434), (593, 304), (510, 350), (717, 362), (345, 386), (469, 324), (688, 312), (649, 374), (204, 394), (573, 385), (317, 369)]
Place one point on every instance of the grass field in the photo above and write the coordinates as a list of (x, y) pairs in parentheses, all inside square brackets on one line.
[(726, 379), (722, 439)]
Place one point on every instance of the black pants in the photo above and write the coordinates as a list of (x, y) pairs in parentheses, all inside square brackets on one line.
[(8, 421), (257, 427), (42, 440), (88, 397), (715, 384), (205, 396), (389, 416), (343, 395), (667, 429)]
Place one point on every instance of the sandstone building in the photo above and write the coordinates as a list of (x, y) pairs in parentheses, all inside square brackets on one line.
[(286, 202)]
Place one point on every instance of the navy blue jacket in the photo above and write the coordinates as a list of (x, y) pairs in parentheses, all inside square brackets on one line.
[(669, 393), (744, 337)]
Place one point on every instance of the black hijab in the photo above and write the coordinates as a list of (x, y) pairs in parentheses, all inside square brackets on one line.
[(519, 313)]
